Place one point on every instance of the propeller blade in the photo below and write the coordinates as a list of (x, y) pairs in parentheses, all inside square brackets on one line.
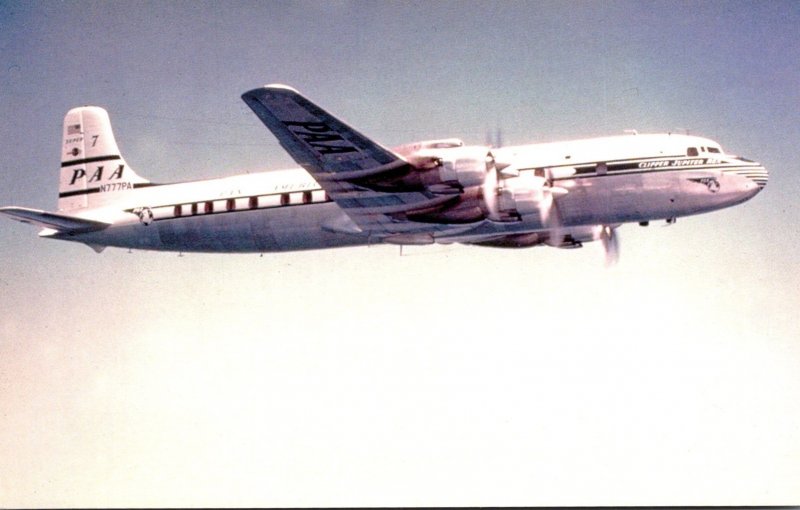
[(489, 192), (610, 244)]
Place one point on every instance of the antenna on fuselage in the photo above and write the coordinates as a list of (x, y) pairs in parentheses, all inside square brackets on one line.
[(494, 139)]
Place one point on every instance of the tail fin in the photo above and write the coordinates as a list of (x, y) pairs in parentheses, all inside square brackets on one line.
[(93, 172)]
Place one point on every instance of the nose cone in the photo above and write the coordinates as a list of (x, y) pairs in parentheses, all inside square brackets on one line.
[(754, 172), (759, 175)]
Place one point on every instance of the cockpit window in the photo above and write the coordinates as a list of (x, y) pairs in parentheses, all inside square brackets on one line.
[(714, 150), (691, 151)]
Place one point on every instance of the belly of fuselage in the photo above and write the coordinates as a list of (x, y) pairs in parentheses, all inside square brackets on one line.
[(267, 230), (613, 199)]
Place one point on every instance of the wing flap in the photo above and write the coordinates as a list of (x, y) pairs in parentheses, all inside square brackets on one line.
[(55, 221)]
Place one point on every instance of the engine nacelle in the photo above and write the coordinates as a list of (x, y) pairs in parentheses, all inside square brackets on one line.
[(512, 198), (454, 166), (480, 188), (410, 148), (467, 166), (523, 195)]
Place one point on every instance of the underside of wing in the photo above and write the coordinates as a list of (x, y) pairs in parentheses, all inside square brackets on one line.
[(55, 221), (378, 189)]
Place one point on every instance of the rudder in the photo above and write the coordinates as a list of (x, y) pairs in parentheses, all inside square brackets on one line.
[(93, 172)]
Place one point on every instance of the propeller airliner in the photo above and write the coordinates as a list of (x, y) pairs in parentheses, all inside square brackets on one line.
[(353, 191)]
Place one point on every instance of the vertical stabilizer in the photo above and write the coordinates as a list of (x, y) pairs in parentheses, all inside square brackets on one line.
[(93, 173)]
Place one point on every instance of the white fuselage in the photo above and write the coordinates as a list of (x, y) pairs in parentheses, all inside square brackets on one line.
[(609, 181)]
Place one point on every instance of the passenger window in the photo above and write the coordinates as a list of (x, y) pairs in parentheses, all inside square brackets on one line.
[(691, 151), (253, 203), (230, 205), (285, 199), (178, 211), (209, 208), (194, 208), (306, 197)]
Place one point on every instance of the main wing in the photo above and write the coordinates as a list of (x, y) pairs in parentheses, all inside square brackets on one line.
[(374, 186)]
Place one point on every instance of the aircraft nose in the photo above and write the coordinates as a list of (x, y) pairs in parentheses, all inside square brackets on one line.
[(759, 175), (753, 171)]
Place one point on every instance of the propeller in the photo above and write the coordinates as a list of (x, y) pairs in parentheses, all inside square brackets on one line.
[(489, 190), (610, 244)]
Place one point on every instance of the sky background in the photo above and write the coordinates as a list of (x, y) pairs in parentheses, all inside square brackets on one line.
[(446, 376)]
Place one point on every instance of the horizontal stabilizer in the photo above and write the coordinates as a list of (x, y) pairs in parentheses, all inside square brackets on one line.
[(59, 222)]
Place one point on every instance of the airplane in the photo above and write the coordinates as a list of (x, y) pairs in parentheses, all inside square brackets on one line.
[(351, 191)]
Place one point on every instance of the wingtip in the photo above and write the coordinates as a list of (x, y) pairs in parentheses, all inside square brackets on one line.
[(271, 87), (279, 86)]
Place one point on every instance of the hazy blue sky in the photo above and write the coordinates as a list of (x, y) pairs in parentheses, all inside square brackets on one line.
[(450, 376)]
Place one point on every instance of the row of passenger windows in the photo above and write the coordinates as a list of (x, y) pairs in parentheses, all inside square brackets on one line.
[(255, 202)]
